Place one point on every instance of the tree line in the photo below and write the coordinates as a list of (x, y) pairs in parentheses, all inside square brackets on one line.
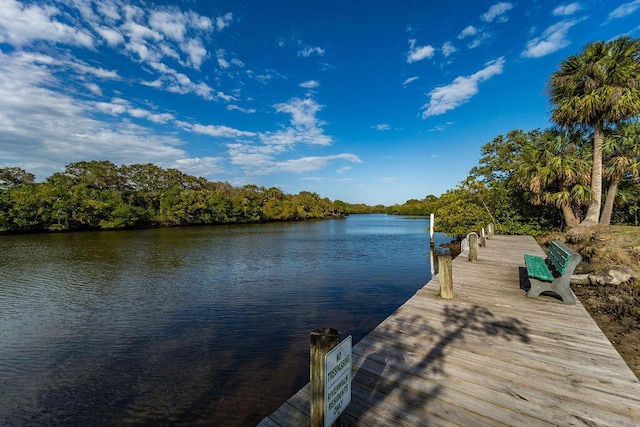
[(101, 195), (529, 182)]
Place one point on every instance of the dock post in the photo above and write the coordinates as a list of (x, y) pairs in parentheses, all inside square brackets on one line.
[(483, 239), (445, 276), (490, 231), (473, 247), (432, 241), (322, 341)]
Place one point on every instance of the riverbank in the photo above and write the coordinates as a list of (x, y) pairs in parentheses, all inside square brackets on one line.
[(614, 306)]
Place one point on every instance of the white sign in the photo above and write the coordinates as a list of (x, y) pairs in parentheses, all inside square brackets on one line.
[(337, 382)]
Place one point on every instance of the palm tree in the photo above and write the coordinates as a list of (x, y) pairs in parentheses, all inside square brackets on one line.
[(598, 86), (554, 168), (622, 153)]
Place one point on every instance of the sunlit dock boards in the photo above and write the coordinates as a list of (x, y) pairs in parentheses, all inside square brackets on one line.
[(491, 356)]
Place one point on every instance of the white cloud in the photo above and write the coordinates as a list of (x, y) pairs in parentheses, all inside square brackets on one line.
[(623, 10), (176, 82), (461, 90), (311, 84), (101, 73), (172, 24), (94, 88), (115, 107), (111, 36), (21, 25), (552, 39), (478, 37), (497, 12), (310, 164), (220, 131), (224, 21), (109, 11), (382, 126), (310, 51), (254, 158), (200, 166), (290, 137), (140, 33), (418, 53), (478, 40), (232, 107), (151, 41), (567, 9), (261, 160), (44, 129), (305, 128), (448, 48), (155, 117), (221, 61), (303, 112), (119, 106), (468, 32), (409, 80), (196, 52), (441, 127)]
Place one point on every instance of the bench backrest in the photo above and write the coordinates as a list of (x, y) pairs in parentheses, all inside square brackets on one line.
[(559, 256)]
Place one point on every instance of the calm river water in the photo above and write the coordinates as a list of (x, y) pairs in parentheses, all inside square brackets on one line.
[(184, 326)]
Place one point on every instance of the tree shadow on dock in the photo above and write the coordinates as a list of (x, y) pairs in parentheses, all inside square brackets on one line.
[(405, 372)]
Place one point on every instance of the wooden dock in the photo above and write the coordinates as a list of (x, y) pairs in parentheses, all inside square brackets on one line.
[(491, 356)]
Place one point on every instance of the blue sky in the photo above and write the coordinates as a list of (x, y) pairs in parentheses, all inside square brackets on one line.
[(371, 102)]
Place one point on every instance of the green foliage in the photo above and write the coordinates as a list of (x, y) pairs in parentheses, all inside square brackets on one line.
[(553, 167), (599, 86), (10, 177), (460, 217), (101, 195)]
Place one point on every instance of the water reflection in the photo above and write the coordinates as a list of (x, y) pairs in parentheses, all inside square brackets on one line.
[(201, 325)]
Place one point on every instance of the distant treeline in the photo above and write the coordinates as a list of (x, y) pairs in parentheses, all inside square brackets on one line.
[(101, 195)]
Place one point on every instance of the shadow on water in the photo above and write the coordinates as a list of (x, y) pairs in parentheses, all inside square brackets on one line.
[(413, 371)]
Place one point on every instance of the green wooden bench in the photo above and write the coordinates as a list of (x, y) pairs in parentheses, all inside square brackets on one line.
[(553, 273)]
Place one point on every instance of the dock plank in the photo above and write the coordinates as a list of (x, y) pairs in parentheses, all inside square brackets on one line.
[(490, 356)]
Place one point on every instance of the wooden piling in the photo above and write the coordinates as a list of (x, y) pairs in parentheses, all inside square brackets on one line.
[(432, 241), (445, 275), (473, 247), (323, 340)]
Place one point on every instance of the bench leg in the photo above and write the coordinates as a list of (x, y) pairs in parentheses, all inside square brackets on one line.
[(560, 286), (537, 287)]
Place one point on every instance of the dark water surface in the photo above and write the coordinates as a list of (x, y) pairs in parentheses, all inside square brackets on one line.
[(184, 326)]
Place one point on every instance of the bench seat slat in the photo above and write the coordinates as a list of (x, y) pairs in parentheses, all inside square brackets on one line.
[(536, 267)]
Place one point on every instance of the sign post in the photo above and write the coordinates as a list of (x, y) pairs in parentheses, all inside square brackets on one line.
[(337, 391)]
